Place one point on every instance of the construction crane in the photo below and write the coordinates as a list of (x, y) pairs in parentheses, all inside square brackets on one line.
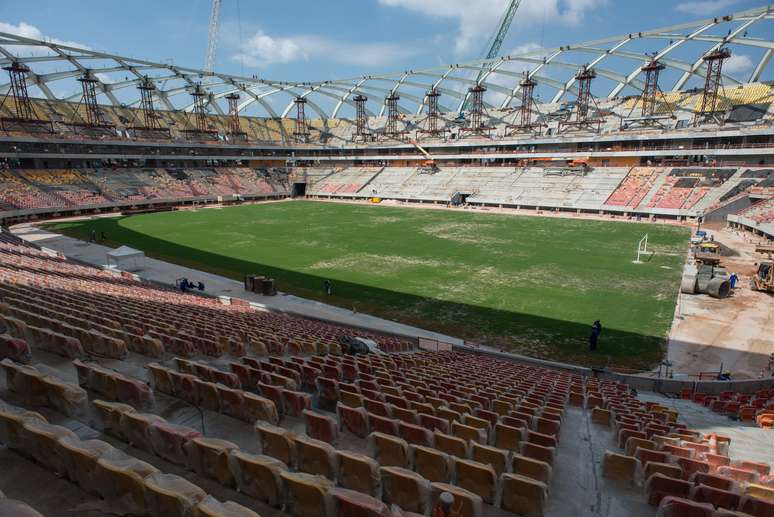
[(212, 38), (497, 41), (428, 164)]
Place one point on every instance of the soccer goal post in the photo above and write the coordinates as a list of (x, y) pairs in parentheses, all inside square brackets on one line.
[(642, 249)]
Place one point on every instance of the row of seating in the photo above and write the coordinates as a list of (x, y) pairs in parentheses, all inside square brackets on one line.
[(99, 468), (109, 315), (669, 459), (757, 408)]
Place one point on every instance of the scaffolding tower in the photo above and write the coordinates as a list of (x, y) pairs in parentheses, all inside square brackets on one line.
[(648, 116), (235, 132), (431, 122), (151, 119), (95, 122), (708, 110), (361, 120), (391, 128), (301, 131), (477, 112), (524, 115), (200, 130), (584, 77), (23, 114)]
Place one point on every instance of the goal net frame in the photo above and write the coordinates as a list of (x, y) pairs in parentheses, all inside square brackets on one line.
[(642, 249)]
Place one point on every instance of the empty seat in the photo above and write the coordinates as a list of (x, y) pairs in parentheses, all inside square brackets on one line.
[(451, 445), (466, 503), (321, 427), (349, 503), (671, 506), (80, 459), (523, 495), (353, 419), (388, 450), (659, 486), (358, 472), (407, 489), (276, 442), (619, 467), (478, 478), (497, 458), (135, 426), (109, 416), (171, 495), (209, 457), (258, 476), (260, 408), (169, 440), (118, 475), (315, 457), (431, 464), (531, 468), (306, 494), (211, 507), (715, 496)]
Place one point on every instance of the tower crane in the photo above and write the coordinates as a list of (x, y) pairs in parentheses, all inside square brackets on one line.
[(496, 42), (212, 38)]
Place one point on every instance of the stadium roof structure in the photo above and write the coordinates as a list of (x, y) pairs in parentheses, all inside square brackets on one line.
[(55, 68)]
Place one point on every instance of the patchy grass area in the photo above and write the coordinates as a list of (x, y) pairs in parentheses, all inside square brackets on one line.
[(530, 284)]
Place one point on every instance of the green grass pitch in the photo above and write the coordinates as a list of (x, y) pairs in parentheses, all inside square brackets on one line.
[(528, 284)]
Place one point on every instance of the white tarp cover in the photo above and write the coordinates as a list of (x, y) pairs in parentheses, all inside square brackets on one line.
[(126, 258)]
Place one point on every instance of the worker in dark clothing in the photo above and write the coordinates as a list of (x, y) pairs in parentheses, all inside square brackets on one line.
[(328, 287), (102, 236), (200, 286), (93, 236), (596, 330)]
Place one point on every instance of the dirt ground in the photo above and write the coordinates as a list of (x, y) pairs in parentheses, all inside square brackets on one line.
[(738, 332)]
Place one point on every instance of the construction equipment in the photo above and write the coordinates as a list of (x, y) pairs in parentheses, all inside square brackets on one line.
[(706, 277), (496, 42), (427, 165), (763, 279), (212, 37)]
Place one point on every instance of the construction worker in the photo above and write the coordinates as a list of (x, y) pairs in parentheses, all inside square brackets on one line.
[(445, 506), (596, 330)]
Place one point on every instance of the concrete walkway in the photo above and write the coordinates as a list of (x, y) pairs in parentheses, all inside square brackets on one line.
[(166, 273)]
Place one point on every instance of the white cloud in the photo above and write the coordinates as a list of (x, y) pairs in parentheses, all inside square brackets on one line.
[(705, 7), (262, 50), (737, 64), (26, 30), (477, 19)]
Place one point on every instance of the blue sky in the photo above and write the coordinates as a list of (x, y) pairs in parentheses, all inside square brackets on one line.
[(325, 39)]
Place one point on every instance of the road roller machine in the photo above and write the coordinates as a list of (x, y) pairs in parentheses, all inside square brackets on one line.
[(706, 276)]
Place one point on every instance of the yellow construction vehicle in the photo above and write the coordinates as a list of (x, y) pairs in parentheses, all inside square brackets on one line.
[(763, 278), (428, 164)]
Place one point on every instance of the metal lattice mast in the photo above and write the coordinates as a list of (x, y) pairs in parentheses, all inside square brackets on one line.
[(212, 36), (433, 113), (712, 83), (235, 127), (527, 96), (652, 71), (94, 116), (584, 78), (360, 115), (150, 116), (18, 90), (302, 131), (477, 106), (199, 110), (392, 113)]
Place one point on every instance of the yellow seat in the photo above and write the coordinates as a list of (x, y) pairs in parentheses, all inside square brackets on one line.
[(258, 476), (306, 494), (388, 450), (358, 472), (478, 478), (315, 457), (277, 442), (522, 495), (209, 457), (405, 488), (431, 464), (171, 496)]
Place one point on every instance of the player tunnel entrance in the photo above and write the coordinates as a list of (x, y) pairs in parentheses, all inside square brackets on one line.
[(299, 189)]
